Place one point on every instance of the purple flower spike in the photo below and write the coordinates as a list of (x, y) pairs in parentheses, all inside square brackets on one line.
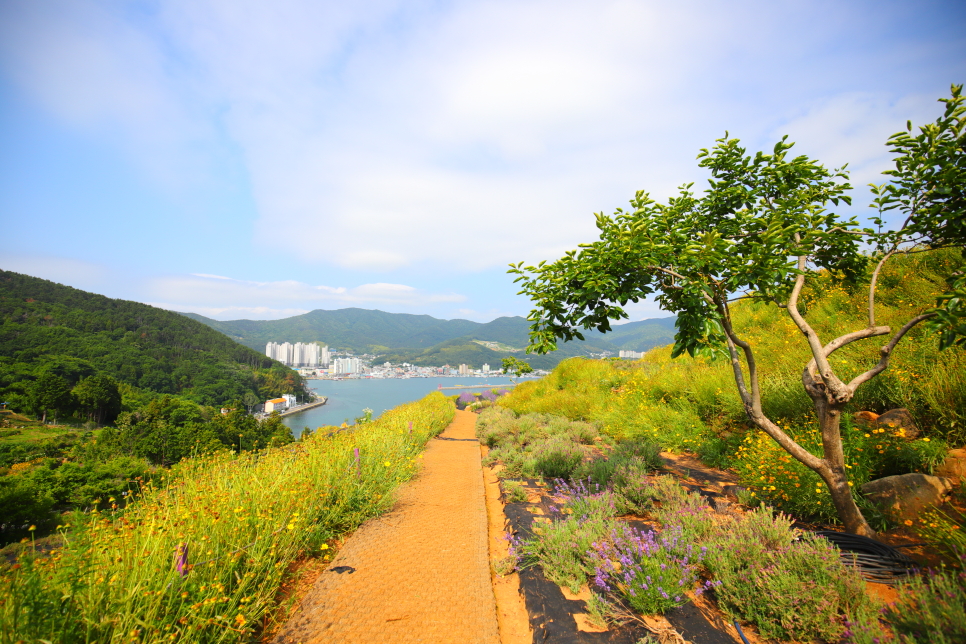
[(181, 559), (410, 427)]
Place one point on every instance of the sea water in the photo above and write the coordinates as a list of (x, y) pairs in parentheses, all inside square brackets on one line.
[(347, 398)]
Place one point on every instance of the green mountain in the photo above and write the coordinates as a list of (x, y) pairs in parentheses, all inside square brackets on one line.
[(425, 340), (48, 327)]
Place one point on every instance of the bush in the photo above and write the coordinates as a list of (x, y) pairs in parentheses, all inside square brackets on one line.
[(533, 444), (558, 459), (790, 586), (561, 546), (652, 574), (931, 609), (788, 485)]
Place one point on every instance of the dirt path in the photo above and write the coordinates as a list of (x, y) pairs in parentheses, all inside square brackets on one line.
[(419, 573)]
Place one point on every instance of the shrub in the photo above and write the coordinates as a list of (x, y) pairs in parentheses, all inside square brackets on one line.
[(930, 609), (533, 444), (797, 590), (652, 574), (561, 547), (785, 483), (557, 459)]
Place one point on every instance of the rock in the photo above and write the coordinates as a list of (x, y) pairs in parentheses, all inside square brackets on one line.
[(904, 496), (954, 467), (865, 418), (899, 422)]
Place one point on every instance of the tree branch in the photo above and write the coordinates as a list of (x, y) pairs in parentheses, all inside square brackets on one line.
[(875, 278), (886, 352), (832, 384), (755, 396)]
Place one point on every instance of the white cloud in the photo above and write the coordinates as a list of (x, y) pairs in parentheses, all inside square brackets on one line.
[(459, 136), (222, 297), (853, 128)]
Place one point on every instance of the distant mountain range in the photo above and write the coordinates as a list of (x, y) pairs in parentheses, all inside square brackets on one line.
[(425, 340)]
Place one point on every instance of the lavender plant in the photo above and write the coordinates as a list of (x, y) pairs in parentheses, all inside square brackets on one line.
[(931, 609), (562, 546), (790, 586), (651, 573)]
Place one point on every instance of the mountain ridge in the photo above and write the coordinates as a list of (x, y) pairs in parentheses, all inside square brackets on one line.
[(423, 339)]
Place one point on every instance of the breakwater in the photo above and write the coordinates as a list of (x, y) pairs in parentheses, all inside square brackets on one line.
[(305, 407)]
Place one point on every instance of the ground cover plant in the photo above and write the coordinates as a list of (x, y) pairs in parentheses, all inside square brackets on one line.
[(761, 231), (931, 609), (199, 555), (757, 568), (535, 444)]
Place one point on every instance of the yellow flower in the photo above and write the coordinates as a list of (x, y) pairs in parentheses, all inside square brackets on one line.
[(324, 546), (907, 522), (388, 463), (851, 484), (926, 440), (291, 526)]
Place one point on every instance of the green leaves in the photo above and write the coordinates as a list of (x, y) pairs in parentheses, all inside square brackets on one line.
[(928, 187)]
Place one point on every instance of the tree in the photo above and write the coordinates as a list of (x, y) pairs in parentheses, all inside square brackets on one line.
[(50, 393), (759, 231), (928, 187), (249, 400), (100, 397), (515, 367)]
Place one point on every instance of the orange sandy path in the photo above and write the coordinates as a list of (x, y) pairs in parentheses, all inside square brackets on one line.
[(421, 571)]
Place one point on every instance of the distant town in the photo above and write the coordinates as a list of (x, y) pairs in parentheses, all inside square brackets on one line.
[(313, 360), (316, 361)]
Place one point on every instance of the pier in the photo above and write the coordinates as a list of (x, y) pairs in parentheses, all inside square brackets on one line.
[(305, 407)]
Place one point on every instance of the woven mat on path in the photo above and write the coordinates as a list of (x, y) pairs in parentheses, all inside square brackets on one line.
[(419, 573)]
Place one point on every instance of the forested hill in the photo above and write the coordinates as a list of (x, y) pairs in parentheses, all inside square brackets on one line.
[(422, 339), (45, 326)]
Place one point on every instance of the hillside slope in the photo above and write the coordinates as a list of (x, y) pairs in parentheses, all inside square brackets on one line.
[(425, 340), (48, 326)]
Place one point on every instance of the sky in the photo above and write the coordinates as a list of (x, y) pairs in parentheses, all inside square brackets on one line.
[(259, 160)]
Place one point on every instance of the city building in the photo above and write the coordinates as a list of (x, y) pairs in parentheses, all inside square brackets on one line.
[(486, 368), (275, 404), (631, 355), (300, 354), (343, 366), (464, 370)]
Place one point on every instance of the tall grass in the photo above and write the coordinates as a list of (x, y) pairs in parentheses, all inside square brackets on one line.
[(200, 556)]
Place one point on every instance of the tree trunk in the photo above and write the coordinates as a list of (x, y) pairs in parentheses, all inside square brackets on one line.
[(833, 470)]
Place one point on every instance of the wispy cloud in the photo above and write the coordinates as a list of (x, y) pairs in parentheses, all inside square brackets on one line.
[(223, 297)]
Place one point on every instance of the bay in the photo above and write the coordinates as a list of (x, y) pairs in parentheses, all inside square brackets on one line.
[(347, 398)]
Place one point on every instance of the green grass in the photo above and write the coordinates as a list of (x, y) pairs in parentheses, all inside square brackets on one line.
[(243, 519)]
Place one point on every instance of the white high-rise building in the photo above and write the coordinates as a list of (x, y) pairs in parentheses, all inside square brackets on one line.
[(300, 354), (486, 368), (345, 366), (631, 355)]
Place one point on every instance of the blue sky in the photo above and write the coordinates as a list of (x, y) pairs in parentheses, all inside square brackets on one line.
[(258, 160)]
